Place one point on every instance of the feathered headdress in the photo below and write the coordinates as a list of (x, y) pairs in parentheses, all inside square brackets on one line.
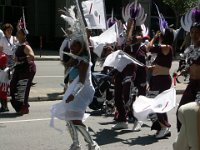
[(111, 21), (134, 11), (162, 22), (22, 23), (77, 26), (189, 18), (70, 17), (164, 25)]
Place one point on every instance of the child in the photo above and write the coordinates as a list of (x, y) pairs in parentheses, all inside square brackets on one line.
[(4, 82)]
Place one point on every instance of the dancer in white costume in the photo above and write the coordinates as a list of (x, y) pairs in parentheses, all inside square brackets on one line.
[(78, 95)]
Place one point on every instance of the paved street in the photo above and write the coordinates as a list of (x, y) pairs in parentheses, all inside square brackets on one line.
[(32, 132), (49, 76)]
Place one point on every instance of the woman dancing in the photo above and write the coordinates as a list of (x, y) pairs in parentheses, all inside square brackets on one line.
[(78, 96)]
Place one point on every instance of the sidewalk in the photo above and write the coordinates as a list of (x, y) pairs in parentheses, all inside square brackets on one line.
[(46, 55), (49, 94)]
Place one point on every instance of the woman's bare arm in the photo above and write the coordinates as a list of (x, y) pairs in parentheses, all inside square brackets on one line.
[(29, 52)]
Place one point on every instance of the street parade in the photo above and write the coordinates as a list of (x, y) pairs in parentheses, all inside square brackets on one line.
[(118, 76)]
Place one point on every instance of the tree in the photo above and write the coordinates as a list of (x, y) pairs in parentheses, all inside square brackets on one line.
[(180, 7)]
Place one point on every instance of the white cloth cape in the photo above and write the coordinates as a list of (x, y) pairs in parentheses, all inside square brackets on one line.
[(164, 102)]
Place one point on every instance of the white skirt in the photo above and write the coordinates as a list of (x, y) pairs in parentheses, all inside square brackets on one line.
[(74, 110)]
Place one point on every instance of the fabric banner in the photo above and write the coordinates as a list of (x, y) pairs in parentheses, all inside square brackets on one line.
[(94, 13), (107, 37), (164, 102), (119, 60)]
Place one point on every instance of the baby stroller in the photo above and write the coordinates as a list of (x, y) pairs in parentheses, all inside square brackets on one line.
[(104, 91)]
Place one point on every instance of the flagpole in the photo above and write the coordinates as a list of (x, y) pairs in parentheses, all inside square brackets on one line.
[(104, 10), (83, 28)]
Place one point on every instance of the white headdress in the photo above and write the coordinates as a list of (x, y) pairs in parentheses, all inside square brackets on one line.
[(189, 18), (70, 17), (77, 26)]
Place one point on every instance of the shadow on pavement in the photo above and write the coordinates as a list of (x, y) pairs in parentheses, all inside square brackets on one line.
[(107, 123), (96, 112), (99, 113), (144, 140), (55, 95), (107, 136), (9, 115)]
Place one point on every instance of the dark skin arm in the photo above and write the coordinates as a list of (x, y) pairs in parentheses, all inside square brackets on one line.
[(83, 67)]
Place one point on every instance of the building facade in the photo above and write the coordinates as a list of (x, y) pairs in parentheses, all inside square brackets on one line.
[(43, 19)]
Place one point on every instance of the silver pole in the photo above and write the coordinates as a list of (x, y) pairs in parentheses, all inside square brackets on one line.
[(83, 28)]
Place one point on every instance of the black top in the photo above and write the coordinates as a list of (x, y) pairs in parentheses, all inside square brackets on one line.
[(162, 59)]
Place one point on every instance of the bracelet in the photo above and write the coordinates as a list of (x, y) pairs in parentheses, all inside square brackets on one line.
[(77, 89)]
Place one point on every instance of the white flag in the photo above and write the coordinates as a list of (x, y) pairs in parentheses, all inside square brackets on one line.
[(118, 60), (107, 37), (94, 13), (164, 102)]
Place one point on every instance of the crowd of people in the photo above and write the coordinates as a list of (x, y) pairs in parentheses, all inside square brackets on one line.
[(136, 76)]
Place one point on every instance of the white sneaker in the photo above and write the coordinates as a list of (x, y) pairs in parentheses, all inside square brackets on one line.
[(137, 125), (164, 132), (95, 146), (75, 147), (120, 125)]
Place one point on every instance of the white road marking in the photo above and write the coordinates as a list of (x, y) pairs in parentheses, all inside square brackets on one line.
[(49, 76), (28, 120)]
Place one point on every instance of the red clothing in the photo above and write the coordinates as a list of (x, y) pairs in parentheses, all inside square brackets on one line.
[(4, 91)]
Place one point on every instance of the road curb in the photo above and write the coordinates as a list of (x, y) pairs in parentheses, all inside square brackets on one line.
[(46, 59), (55, 98), (45, 98), (179, 92)]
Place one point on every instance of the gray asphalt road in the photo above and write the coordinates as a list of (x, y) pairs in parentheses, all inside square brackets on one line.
[(32, 132), (50, 74)]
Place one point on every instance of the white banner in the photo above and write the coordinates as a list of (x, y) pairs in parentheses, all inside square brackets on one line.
[(94, 13), (107, 37)]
